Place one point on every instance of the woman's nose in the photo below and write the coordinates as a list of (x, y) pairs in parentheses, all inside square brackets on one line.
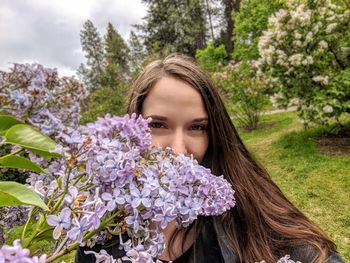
[(178, 143)]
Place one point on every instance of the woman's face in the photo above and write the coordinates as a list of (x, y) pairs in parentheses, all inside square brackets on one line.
[(179, 118)]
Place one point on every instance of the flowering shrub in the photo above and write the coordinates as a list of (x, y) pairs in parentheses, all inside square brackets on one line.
[(245, 89), (210, 57), (110, 181), (306, 53), (39, 97)]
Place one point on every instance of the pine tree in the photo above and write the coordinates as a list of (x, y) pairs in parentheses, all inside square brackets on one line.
[(105, 72), (220, 18), (137, 53), (92, 46), (231, 7), (174, 25), (116, 50)]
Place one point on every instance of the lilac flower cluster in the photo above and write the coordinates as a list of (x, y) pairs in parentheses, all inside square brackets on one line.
[(15, 253), (11, 216), (37, 95), (111, 181), (285, 259)]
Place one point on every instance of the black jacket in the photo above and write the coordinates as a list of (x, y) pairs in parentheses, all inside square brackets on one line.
[(210, 247)]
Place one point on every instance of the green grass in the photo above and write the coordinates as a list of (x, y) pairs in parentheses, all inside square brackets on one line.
[(317, 184)]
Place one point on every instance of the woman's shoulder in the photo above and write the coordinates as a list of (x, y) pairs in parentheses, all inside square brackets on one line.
[(306, 253), (335, 258)]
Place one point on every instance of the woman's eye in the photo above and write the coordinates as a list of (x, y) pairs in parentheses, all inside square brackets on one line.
[(199, 127), (156, 125)]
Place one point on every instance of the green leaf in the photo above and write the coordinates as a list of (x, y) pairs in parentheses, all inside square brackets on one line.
[(46, 155), (12, 193), (19, 162), (45, 235), (31, 138), (6, 122)]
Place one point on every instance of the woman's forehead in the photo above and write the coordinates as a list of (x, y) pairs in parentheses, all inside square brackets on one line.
[(171, 95)]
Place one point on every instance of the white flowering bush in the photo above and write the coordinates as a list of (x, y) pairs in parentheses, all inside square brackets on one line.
[(305, 52)]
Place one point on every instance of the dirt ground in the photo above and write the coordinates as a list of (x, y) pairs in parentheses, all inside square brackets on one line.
[(335, 144)]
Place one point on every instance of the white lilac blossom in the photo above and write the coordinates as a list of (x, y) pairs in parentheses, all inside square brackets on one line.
[(321, 79), (15, 253), (323, 44), (327, 109), (309, 61), (300, 22), (331, 27)]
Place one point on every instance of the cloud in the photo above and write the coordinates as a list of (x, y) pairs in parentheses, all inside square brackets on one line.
[(47, 32), (122, 16)]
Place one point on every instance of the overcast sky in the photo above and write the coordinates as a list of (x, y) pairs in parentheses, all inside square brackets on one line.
[(47, 31)]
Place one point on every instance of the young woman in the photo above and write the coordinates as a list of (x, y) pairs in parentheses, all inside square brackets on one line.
[(189, 116)]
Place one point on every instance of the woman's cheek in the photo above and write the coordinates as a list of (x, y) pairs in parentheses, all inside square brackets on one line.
[(199, 147), (158, 140)]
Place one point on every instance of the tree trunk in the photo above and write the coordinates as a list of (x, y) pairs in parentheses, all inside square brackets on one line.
[(229, 7)]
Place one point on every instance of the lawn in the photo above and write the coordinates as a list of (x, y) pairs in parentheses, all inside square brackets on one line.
[(318, 184)]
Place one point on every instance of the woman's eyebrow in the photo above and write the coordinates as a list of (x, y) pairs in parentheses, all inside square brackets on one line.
[(200, 119), (163, 118), (156, 117)]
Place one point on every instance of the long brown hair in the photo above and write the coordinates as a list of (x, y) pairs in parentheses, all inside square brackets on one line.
[(264, 225)]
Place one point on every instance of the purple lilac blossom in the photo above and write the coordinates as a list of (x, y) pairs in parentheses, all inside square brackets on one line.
[(108, 168), (113, 199), (150, 186), (15, 253), (38, 94), (102, 256), (60, 222), (77, 232), (13, 216), (285, 259)]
